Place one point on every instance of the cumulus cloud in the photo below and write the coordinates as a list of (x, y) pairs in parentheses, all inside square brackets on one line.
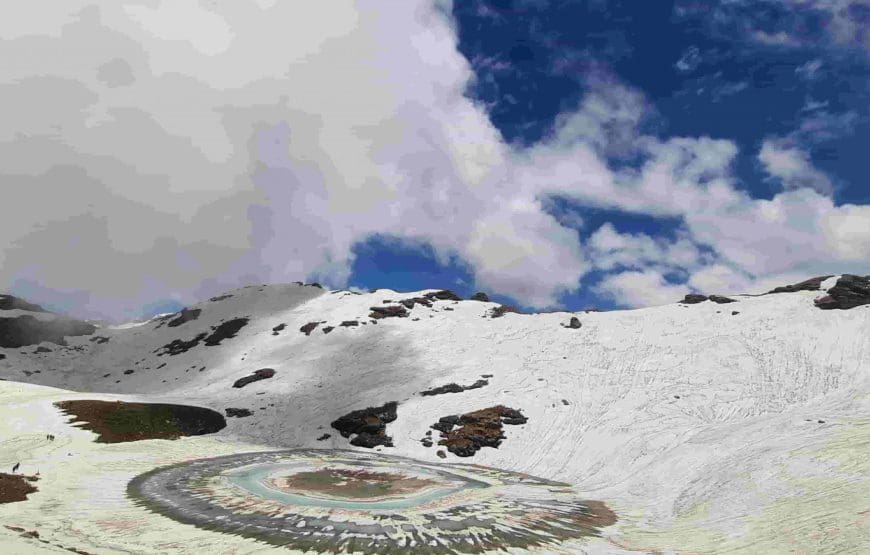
[(158, 150)]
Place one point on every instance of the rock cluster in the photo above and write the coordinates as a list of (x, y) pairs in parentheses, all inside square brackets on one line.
[(849, 291), (694, 298), (812, 284), (368, 426), (393, 311), (482, 428)]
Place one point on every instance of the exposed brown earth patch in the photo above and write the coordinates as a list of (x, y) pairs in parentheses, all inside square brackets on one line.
[(16, 487), (473, 430), (352, 483), (119, 422), (368, 426), (453, 388), (261, 374)]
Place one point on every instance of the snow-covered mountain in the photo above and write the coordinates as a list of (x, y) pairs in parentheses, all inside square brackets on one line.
[(706, 425)]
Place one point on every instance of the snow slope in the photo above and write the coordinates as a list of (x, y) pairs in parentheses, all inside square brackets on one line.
[(705, 430)]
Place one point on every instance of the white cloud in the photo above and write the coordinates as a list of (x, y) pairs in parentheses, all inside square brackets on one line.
[(792, 167), (639, 289), (147, 157), (846, 231)]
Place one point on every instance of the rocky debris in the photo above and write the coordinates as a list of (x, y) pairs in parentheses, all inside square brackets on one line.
[(328, 329), (719, 299), (409, 303), (278, 328), (443, 295), (16, 487), (237, 413), (25, 330), (220, 298), (480, 296), (178, 346), (118, 422), (309, 327), (574, 324), (482, 428), (812, 284), (8, 302), (225, 330), (99, 339), (261, 374), (501, 310), (393, 311), (453, 388), (693, 298), (128, 372), (186, 315), (324, 437), (369, 425), (849, 291), (42, 349), (349, 323)]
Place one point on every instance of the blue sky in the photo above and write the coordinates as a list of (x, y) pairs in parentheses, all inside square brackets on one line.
[(554, 154)]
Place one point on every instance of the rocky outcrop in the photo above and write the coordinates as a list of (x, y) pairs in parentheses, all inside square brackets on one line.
[(225, 330), (501, 310), (453, 388), (8, 302), (393, 311), (719, 299), (27, 330), (261, 374), (349, 324), (409, 303), (309, 327), (237, 413), (480, 296), (693, 298), (179, 346), (812, 284), (482, 428), (574, 324), (443, 295), (368, 426), (849, 291), (186, 315)]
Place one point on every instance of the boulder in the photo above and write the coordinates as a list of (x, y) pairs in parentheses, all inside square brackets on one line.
[(574, 323), (480, 296), (693, 298)]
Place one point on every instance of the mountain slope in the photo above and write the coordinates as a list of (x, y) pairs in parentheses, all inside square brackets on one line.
[(702, 425)]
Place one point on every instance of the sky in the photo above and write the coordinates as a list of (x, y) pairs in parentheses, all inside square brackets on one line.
[(553, 154)]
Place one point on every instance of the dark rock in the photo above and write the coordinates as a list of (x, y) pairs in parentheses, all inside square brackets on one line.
[(565, 402), (25, 330), (309, 327), (220, 298), (8, 302), (501, 310), (446, 423), (261, 374), (225, 330), (454, 388), (186, 315), (426, 442), (99, 339), (2, 356), (315, 284), (324, 437), (393, 311), (693, 298), (812, 284), (178, 346), (574, 323), (237, 413), (849, 291), (734, 313), (128, 372), (719, 299), (349, 323), (409, 303), (441, 453), (328, 329), (278, 328), (42, 349), (443, 295), (480, 296), (482, 428), (369, 425)]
